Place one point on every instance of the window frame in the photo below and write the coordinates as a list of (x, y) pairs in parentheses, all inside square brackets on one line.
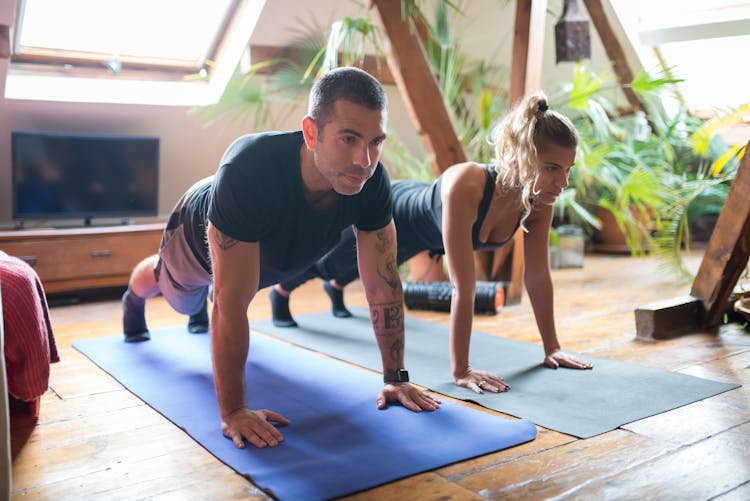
[(650, 41), (50, 78), (98, 65)]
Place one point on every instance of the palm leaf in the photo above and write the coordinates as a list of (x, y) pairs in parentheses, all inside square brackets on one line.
[(733, 153), (644, 84), (701, 138), (585, 85)]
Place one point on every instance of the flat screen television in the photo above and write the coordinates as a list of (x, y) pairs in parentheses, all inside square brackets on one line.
[(58, 175)]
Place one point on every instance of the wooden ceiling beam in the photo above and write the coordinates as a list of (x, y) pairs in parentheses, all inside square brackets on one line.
[(528, 48), (614, 50), (525, 77), (418, 86)]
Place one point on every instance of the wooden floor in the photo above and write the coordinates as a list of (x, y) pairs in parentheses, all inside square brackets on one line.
[(95, 440)]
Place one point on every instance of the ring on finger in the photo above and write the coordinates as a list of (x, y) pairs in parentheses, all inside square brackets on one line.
[(480, 383)]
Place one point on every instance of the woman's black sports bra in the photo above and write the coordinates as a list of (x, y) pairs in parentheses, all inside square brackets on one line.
[(484, 206)]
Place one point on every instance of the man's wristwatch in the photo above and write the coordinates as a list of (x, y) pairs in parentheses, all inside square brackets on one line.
[(397, 376)]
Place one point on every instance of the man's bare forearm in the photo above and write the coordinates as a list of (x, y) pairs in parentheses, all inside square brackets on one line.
[(229, 348), (388, 318), (385, 295)]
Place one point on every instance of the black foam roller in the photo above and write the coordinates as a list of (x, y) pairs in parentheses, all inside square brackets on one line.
[(436, 296)]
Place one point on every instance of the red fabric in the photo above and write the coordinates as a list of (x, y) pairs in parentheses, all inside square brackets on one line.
[(29, 341)]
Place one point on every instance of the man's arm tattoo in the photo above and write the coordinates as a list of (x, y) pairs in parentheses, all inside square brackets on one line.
[(224, 242), (397, 351), (388, 325), (385, 244), (390, 275), (387, 318), (388, 322)]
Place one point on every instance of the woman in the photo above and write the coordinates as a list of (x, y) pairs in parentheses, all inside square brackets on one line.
[(474, 207)]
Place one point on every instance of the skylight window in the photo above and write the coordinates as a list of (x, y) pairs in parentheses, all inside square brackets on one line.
[(176, 35), (698, 40), (131, 51), (166, 29)]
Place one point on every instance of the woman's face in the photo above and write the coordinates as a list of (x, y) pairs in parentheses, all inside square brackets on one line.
[(555, 163)]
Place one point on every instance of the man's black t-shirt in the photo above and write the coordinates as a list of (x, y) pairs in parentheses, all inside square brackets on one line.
[(257, 196)]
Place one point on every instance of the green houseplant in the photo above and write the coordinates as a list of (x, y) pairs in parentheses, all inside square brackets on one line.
[(650, 172), (617, 173)]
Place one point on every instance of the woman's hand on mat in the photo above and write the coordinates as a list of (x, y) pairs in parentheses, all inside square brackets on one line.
[(559, 358), (480, 381), (408, 395), (254, 426)]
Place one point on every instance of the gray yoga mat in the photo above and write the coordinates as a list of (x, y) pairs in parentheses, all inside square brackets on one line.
[(578, 403)]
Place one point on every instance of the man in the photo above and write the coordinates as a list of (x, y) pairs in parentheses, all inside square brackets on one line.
[(278, 202)]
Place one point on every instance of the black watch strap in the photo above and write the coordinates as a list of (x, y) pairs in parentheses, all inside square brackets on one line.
[(397, 376)]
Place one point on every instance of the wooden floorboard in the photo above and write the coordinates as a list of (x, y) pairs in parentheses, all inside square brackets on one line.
[(701, 470), (558, 471), (95, 440)]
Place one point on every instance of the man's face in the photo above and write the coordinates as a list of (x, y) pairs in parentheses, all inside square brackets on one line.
[(348, 147), (555, 163)]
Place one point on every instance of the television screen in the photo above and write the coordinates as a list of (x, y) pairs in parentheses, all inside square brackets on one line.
[(61, 175)]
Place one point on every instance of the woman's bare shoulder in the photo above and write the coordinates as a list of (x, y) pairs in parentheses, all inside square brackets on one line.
[(464, 175)]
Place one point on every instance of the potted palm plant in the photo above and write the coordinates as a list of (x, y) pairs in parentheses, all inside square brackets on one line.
[(615, 189), (641, 176)]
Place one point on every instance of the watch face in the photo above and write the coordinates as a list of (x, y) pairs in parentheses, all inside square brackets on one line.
[(399, 376)]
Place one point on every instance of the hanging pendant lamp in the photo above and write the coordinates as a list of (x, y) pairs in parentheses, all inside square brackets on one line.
[(572, 40)]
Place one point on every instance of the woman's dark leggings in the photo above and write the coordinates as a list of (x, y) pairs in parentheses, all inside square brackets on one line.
[(340, 263)]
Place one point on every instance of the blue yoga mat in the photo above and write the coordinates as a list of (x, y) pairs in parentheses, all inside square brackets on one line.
[(578, 403), (338, 442)]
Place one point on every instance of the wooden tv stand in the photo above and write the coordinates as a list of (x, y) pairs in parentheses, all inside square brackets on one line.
[(69, 260)]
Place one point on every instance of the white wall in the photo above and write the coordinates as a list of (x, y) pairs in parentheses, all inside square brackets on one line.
[(190, 151)]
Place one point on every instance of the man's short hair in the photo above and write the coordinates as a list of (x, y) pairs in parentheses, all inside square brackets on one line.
[(351, 84)]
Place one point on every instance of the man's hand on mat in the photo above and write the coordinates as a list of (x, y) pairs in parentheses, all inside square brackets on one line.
[(408, 395), (559, 358), (481, 381), (254, 426)]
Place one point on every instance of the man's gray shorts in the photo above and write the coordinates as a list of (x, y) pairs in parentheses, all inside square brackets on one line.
[(182, 280)]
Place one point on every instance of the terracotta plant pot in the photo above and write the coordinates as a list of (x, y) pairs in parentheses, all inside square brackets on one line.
[(609, 238)]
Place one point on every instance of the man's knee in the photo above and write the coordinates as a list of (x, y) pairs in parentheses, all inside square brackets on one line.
[(143, 279)]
